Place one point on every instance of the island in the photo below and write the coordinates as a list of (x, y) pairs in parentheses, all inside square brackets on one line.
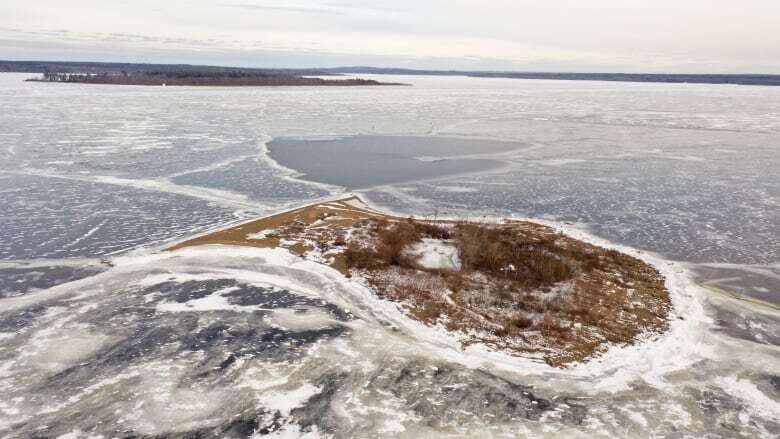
[(211, 78), (517, 287)]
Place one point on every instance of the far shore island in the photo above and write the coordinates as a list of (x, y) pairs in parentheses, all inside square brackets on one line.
[(203, 78), (114, 68), (517, 287)]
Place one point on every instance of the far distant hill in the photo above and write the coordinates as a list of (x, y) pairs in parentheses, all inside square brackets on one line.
[(110, 67), (741, 79)]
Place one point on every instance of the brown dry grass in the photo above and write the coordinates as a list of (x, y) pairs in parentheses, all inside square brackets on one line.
[(522, 287), (521, 284), (323, 223), (501, 251)]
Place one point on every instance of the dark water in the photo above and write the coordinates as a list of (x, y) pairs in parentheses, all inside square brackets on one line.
[(367, 161)]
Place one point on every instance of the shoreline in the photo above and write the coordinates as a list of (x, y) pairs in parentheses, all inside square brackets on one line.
[(308, 232), (188, 79), (649, 359)]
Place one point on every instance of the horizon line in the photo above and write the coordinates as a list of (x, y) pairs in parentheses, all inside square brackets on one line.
[(375, 67)]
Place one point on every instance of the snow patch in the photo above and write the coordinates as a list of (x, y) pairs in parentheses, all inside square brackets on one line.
[(261, 234), (215, 301), (78, 434), (429, 159), (562, 162), (286, 401), (436, 254), (300, 320)]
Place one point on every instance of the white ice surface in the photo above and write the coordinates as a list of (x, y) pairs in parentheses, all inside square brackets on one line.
[(757, 402), (577, 119), (652, 361)]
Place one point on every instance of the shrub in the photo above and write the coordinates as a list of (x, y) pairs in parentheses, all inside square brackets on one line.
[(455, 280), (551, 327), (520, 322), (360, 257), (505, 253), (392, 242), (427, 313), (501, 332), (431, 230)]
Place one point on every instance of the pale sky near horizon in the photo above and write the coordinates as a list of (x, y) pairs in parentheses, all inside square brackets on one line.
[(696, 36)]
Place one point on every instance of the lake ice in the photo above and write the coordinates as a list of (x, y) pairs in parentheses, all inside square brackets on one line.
[(95, 180)]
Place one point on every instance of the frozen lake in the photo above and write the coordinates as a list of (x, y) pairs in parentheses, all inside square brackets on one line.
[(95, 179)]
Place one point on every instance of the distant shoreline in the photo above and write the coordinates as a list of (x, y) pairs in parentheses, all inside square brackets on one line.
[(130, 68), (202, 79), (668, 78)]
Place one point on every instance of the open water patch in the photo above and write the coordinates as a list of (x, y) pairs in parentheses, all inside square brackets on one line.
[(361, 162)]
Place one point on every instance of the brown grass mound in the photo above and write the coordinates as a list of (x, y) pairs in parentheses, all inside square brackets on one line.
[(520, 287)]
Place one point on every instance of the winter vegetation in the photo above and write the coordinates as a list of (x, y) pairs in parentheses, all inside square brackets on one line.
[(514, 286), (200, 78)]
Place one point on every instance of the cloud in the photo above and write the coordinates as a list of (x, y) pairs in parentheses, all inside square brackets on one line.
[(603, 35), (285, 9)]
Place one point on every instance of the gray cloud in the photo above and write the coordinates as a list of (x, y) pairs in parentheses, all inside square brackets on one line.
[(602, 35)]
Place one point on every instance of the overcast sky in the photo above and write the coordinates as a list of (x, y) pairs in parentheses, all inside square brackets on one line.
[(720, 36)]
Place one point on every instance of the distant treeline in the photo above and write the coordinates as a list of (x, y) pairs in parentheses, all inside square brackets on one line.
[(132, 68), (200, 78), (106, 67), (741, 79)]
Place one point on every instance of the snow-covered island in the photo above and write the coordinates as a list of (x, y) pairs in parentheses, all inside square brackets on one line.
[(515, 286)]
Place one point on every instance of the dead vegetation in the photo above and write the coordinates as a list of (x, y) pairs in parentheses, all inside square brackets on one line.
[(520, 287)]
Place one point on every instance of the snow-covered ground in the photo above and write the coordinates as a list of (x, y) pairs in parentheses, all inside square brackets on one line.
[(436, 254)]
